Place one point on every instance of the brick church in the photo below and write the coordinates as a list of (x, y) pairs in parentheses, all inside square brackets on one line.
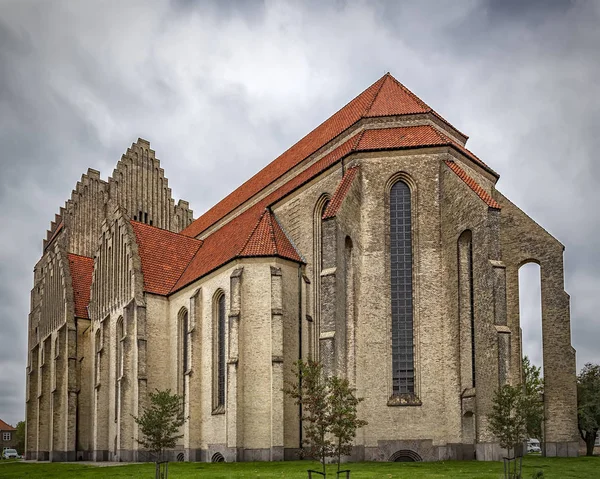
[(378, 244)]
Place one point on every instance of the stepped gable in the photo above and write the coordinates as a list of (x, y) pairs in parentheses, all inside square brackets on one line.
[(269, 239), (340, 193), (471, 183), (386, 97), (82, 269), (164, 256)]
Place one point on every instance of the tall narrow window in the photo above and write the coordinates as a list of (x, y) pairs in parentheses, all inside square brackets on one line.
[(466, 309), (98, 348), (183, 348), (403, 371), (219, 322), (118, 364), (319, 210)]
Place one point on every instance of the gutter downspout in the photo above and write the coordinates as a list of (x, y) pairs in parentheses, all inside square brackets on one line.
[(300, 279)]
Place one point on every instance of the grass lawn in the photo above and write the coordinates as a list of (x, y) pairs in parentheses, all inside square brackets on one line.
[(554, 468)]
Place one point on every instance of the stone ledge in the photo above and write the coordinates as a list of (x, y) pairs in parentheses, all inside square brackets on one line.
[(406, 399)]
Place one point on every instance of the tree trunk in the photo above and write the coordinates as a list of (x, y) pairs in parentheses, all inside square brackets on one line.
[(590, 440)]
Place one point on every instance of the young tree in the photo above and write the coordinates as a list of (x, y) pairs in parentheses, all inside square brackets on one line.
[(160, 422), (509, 424), (20, 436), (343, 414), (329, 411), (588, 405), (533, 385), (310, 393)]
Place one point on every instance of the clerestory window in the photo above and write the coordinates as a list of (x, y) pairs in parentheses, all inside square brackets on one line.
[(401, 269)]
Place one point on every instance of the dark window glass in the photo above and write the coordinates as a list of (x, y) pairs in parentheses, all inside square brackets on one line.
[(403, 372), (184, 337), (221, 354), (471, 293)]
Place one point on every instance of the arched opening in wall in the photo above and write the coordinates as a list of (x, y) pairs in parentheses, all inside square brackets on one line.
[(468, 428), (405, 455), (180, 457), (217, 457), (219, 332), (318, 212), (350, 311), (530, 312), (182, 350), (120, 337), (401, 288), (466, 309)]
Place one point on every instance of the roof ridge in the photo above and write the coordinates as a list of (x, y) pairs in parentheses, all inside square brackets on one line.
[(287, 237), (357, 140), (411, 94), (368, 109), (80, 255), (341, 190), (471, 183), (165, 230), (271, 230), (251, 233), (183, 270), (323, 134)]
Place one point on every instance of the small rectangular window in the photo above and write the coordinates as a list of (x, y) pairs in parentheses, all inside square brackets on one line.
[(6, 436)]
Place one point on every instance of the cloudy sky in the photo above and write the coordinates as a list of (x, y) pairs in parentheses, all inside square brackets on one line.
[(221, 89)]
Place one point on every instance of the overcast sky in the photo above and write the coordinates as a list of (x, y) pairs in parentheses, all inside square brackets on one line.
[(221, 89)]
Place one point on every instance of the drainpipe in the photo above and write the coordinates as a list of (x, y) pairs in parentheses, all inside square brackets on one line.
[(300, 346), (78, 385)]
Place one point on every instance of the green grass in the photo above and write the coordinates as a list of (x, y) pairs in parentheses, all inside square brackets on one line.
[(554, 468)]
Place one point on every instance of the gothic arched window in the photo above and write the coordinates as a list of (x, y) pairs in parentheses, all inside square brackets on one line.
[(120, 330), (182, 351), (219, 324), (401, 269)]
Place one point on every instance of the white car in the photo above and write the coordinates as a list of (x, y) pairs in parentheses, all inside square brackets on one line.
[(10, 454), (533, 445)]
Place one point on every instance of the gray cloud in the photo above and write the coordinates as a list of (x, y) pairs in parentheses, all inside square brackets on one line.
[(222, 88)]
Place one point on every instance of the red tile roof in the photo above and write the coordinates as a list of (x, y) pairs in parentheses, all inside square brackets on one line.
[(393, 98), (268, 239), (82, 269), (471, 183), (385, 97), (317, 138), (419, 136), (340, 193), (164, 256), (227, 242), (6, 427)]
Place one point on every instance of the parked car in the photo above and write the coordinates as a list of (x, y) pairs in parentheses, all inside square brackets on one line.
[(10, 454), (533, 445)]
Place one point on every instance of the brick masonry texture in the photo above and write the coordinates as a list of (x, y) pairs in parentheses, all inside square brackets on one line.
[(129, 282)]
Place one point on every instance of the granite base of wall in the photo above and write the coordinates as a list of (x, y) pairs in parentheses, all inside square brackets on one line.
[(42, 456), (491, 451), (85, 456), (392, 450), (100, 455), (292, 454), (62, 456), (416, 450), (561, 449)]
